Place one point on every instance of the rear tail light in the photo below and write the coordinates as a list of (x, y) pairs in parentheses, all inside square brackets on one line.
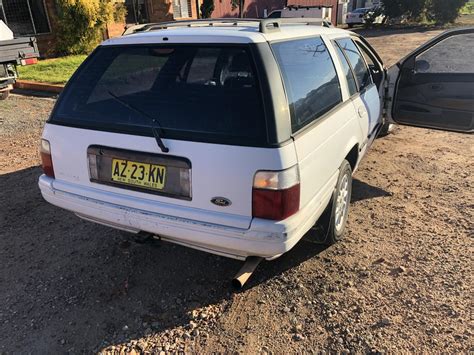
[(276, 194), (29, 61), (46, 160)]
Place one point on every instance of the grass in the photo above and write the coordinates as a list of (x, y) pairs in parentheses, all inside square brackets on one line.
[(55, 71), (468, 9)]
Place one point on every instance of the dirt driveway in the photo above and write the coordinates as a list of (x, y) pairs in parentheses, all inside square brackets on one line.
[(402, 279)]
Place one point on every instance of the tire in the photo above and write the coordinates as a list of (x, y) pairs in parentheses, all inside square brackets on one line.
[(4, 94), (340, 202)]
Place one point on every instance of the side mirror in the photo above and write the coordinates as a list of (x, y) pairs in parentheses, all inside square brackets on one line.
[(421, 66)]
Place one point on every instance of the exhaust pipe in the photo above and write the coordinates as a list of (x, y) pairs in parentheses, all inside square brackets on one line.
[(246, 271)]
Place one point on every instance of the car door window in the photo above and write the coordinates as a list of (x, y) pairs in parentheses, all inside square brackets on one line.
[(376, 71), (357, 62), (436, 84), (365, 53), (351, 83), (452, 55), (310, 79)]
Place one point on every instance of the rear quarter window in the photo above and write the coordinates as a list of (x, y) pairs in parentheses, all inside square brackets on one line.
[(310, 79), (351, 83), (357, 62)]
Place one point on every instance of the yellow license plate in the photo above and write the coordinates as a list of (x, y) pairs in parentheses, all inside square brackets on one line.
[(139, 174)]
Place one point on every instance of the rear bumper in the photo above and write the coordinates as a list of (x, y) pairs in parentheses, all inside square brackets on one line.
[(264, 238)]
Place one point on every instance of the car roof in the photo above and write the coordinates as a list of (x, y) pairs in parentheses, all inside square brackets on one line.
[(226, 33)]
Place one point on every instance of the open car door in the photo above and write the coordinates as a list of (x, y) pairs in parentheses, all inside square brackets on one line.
[(433, 87)]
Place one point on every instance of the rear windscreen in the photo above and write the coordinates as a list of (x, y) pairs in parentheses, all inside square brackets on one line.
[(203, 93)]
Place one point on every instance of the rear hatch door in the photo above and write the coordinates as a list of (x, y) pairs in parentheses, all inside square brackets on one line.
[(202, 100)]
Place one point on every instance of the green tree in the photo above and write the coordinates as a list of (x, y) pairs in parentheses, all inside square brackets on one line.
[(443, 11), (207, 7), (81, 23), (410, 8)]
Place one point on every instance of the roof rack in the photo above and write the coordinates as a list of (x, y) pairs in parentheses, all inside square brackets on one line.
[(265, 25), (270, 25)]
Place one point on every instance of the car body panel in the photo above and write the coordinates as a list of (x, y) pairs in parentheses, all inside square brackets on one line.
[(217, 170)]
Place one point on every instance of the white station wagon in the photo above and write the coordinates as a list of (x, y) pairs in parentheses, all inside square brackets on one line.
[(234, 136)]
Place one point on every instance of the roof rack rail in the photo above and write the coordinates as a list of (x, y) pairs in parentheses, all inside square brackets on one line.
[(271, 25), (265, 25), (187, 23)]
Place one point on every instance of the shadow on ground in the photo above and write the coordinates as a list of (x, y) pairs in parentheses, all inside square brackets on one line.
[(71, 285), (364, 191)]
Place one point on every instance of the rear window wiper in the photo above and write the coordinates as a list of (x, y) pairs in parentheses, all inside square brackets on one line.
[(154, 121)]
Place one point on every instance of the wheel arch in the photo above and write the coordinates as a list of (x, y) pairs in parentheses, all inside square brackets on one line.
[(353, 155)]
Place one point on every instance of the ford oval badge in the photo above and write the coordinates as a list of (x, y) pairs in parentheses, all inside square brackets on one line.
[(221, 201)]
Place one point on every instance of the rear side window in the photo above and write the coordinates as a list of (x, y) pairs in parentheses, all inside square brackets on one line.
[(357, 62), (204, 93), (347, 71), (310, 79), (367, 55)]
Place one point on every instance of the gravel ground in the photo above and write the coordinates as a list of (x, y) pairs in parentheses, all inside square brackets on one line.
[(401, 280)]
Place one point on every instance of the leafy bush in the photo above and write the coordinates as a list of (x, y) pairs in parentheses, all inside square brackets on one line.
[(207, 7), (440, 11), (120, 12), (468, 9), (443, 11), (409, 8), (81, 24)]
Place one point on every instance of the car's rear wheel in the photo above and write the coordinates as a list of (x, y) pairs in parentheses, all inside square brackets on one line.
[(341, 199)]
